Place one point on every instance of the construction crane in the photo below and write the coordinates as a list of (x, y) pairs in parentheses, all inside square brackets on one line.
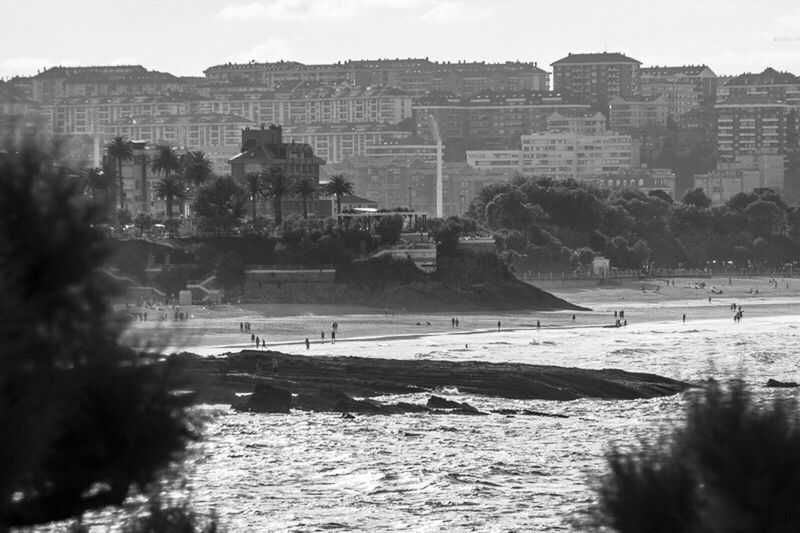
[(434, 125)]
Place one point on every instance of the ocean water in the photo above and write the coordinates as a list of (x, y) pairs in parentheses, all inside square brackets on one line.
[(319, 472)]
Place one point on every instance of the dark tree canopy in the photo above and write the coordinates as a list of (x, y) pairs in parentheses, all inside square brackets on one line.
[(83, 420), (220, 206)]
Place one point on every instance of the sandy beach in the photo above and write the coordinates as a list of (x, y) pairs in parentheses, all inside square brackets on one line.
[(216, 329)]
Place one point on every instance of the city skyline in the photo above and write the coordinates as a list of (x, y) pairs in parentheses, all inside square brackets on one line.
[(731, 38)]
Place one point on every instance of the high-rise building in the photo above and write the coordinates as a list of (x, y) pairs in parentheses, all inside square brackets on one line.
[(755, 124), (596, 78)]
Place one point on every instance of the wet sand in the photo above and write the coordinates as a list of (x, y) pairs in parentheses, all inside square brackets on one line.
[(216, 329)]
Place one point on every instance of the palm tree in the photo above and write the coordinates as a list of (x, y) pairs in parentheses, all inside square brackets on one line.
[(96, 180), (120, 150), (196, 168), (277, 190), (305, 190), (166, 161), (339, 186), (168, 189), (255, 187)]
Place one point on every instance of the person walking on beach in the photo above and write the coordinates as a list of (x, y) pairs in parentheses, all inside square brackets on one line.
[(308, 343), (456, 323), (322, 335), (573, 319), (241, 326), (539, 325), (333, 337), (252, 337), (684, 318), (498, 325), (453, 322), (258, 343)]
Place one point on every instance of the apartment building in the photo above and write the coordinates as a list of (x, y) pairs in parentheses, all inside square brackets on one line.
[(743, 175), (191, 131), (488, 120), (310, 103), (770, 83), (411, 182), (562, 155), (754, 124), (336, 142), (580, 122), (405, 148), (77, 115), (415, 75), (633, 112), (596, 78), (645, 180), (56, 83), (299, 105), (683, 87)]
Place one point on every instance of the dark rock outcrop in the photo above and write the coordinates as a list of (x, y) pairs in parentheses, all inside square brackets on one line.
[(216, 379), (437, 402), (265, 399), (782, 384)]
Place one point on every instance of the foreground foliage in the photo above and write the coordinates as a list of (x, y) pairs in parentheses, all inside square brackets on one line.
[(733, 466), (83, 420)]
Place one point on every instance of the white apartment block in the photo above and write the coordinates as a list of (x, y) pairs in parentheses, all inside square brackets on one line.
[(564, 155), (337, 142), (331, 105), (495, 160), (186, 131), (561, 155)]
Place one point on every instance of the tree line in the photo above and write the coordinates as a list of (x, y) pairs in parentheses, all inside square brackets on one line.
[(541, 224)]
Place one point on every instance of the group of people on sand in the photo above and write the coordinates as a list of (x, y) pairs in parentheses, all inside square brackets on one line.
[(737, 312), (453, 322), (619, 318), (244, 327)]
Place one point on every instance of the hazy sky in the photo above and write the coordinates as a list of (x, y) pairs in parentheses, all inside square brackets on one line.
[(187, 36)]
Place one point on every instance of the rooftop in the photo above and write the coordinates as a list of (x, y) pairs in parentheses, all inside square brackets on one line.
[(500, 98), (685, 70), (601, 57), (192, 118), (769, 76), (752, 100)]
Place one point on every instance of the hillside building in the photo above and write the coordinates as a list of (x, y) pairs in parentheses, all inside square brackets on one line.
[(596, 78)]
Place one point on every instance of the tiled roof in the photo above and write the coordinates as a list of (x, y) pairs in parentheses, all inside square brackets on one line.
[(686, 70), (601, 57), (769, 76), (66, 72)]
